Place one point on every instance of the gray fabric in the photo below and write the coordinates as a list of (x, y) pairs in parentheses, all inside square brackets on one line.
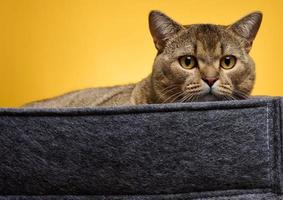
[(212, 150), (211, 196)]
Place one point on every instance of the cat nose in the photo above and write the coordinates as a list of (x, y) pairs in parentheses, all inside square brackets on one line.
[(210, 80)]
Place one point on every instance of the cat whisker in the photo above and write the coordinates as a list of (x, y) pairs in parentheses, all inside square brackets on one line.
[(167, 90), (224, 93), (172, 96), (168, 87), (183, 99), (226, 86), (188, 97), (178, 96), (229, 97), (197, 96), (241, 94)]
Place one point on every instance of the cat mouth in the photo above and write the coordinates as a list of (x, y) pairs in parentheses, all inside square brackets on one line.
[(206, 94), (210, 95)]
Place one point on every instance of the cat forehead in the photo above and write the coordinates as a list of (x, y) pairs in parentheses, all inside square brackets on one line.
[(208, 37)]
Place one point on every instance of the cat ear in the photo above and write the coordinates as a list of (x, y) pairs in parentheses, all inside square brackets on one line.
[(162, 28), (247, 27)]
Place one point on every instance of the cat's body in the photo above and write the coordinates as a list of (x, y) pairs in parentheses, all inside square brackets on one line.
[(131, 94), (90, 97), (197, 62)]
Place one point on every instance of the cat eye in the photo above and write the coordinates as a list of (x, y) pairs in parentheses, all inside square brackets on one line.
[(188, 62), (228, 62)]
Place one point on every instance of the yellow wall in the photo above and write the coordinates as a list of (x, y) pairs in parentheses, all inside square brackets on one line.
[(48, 47)]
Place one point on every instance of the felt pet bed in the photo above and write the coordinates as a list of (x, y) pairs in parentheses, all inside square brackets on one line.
[(209, 151)]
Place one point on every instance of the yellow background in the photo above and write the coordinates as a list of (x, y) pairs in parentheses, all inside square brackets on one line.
[(48, 47)]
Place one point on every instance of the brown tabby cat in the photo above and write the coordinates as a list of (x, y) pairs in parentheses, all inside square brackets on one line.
[(196, 62)]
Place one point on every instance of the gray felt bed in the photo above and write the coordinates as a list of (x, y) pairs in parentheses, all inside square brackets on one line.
[(210, 151)]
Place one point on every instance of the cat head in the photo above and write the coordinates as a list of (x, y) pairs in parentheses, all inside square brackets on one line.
[(202, 62)]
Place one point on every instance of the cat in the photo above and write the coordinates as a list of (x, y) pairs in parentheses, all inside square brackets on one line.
[(197, 62)]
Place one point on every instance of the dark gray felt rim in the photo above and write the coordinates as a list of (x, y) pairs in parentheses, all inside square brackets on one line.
[(213, 105), (242, 104)]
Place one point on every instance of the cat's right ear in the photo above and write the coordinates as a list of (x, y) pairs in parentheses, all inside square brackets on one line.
[(162, 28)]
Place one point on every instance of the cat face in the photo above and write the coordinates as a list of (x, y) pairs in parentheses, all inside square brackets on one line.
[(202, 62)]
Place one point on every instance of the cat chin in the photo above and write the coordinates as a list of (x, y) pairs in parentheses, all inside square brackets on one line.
[(208, 97)]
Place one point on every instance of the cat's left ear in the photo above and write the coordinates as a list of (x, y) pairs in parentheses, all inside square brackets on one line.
[(247, 28)]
